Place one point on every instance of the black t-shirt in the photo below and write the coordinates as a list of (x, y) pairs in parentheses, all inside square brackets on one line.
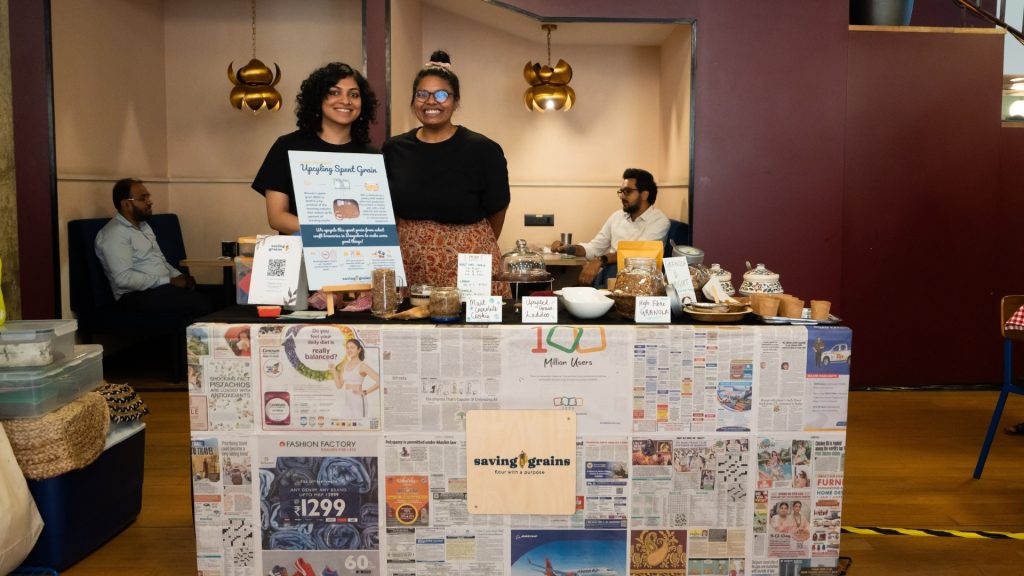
[(459, 181), (275, 173)]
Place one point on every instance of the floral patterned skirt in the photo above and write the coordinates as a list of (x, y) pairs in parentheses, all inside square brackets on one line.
[(430, 251)]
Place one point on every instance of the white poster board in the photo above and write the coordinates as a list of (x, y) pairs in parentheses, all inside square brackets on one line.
[(346, 218)]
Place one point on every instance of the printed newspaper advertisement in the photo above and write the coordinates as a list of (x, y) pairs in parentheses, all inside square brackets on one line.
[(318, 503), (781, 378), (220, 376), (693, 379), (319, 377), (429, 529), (434, 375), (596, 552), (690, 481), (602, 488), (580, 368), (223, 504), (797, 499)]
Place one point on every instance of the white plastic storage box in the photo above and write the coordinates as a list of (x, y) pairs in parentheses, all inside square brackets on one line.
[(31, 392), (27, 343)]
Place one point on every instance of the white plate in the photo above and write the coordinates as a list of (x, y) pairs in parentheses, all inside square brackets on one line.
[(804, 320)]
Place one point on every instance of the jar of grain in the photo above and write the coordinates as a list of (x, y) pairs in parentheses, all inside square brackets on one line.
[(640, 277), (385, 296), (445, 305)]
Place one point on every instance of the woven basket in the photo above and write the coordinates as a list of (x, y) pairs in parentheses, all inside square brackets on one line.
[(66, 439)]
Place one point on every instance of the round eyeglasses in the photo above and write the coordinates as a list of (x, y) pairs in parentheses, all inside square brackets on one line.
[(440, 96)]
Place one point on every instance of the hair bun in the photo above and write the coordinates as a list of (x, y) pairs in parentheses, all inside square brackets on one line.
[(440, 56)]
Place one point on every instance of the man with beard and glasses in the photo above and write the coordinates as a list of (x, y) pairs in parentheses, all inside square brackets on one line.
[(139, 274), (639, 220)]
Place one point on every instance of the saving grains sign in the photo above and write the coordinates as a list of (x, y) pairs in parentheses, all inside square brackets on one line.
[(521, 462), (346, 218)]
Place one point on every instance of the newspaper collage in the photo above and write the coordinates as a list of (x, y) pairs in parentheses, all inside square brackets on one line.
[(321, 449)]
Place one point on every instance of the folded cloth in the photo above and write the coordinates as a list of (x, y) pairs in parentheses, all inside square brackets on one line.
[(1016, 322), (318, 301), (360, 304)]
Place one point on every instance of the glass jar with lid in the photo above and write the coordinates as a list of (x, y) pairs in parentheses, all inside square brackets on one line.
[(524, 270), (640, 277), (445, 305), (522, 261), (419, 294)]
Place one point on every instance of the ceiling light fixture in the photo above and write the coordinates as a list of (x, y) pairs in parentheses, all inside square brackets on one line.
[(549, 87), (254, 83)]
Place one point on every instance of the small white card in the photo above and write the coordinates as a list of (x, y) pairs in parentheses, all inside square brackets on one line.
[(652, 310), (483, 309), (677, 272), (276, 271), (540, 310), (474, 275)]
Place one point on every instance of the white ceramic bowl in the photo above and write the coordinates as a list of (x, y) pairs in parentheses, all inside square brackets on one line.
[(588, 308), (581, 292)]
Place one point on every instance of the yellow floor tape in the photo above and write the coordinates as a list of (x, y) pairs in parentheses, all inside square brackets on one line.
[(977, 534)]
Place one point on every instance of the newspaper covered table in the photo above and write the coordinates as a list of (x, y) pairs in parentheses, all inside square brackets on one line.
[(322, 449)]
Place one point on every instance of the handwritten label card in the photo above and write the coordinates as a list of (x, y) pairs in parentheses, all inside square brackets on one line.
[(276, 267), (677, 272), (483, 309), (474, 275), (540, 310), (653, 310)]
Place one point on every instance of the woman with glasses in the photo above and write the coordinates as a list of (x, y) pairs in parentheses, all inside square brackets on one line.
[(334, 107), (449, 185)]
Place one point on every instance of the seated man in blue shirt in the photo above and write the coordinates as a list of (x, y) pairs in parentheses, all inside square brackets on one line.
[(639, 220), (139, 274)]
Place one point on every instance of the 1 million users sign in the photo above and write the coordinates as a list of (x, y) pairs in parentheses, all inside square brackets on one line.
[(521, 461)]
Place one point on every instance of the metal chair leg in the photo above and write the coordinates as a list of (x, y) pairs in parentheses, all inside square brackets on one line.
[(1004, 392)]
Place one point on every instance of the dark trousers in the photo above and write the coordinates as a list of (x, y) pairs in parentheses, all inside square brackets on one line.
[(168, 298)]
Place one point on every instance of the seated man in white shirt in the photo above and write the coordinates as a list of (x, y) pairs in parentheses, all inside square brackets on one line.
[(139, 274), (639, 220)]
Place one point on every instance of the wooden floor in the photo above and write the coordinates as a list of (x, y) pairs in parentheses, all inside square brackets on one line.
[(909, 461)]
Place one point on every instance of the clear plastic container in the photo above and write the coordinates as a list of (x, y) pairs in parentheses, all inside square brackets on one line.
[(31, 343), (243, 271), (31, 392), (640, 277), (247, 246)]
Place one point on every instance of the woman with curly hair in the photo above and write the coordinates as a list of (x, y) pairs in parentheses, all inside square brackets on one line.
[(335, 107), (449, 185)]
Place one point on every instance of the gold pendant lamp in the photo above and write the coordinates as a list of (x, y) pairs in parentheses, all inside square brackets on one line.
[(254, 83), (549, 87)]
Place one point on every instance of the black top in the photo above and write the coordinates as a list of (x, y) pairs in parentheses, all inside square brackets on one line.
[(459, 181), (275, 173)]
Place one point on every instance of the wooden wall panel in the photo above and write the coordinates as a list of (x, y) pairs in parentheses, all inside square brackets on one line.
[(920, 206)]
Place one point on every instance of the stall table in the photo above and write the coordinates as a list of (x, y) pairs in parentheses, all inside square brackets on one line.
[(718, 449)]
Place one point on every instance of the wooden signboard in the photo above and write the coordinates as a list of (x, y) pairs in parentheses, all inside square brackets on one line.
[(521, 461)]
